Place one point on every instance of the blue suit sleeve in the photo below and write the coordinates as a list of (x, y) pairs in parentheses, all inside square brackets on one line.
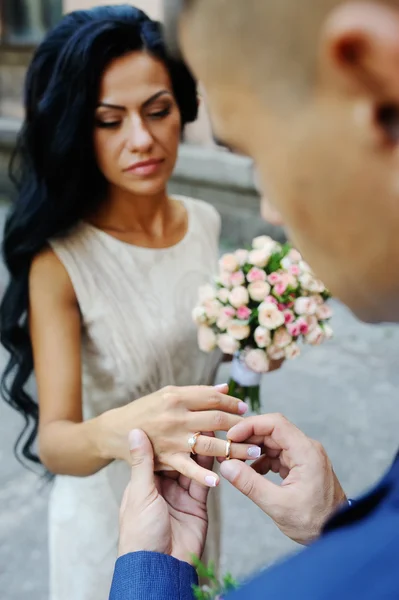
[(152, 576)]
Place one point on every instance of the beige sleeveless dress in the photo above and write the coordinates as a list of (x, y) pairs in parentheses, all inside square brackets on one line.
[(137, 337)]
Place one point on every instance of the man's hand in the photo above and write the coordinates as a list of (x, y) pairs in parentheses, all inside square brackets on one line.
[(162, 513), (310, 491)]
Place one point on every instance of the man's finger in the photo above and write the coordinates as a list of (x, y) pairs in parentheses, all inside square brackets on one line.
[(267, 495), (142, 478)]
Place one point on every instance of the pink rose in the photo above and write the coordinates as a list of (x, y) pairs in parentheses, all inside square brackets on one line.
[(274, 278), (256, 274), (294, 270), (280, 288), (199, 316), (281, 338), (259, 258), (324, 312), (206, 339), (275, 353), (303, 325), (238, 331), (305, 306), (292, 351), (270, 316), (241, 256), (226, 315), (288, 316), (316, 336), (237, 278), (258, 290), (257, 361), (312, 322), (227, 344), (294, 330), (244, 313), (228, 262), (223, 295), (328, 332), (271, 300), (239, 297), (262, 337)]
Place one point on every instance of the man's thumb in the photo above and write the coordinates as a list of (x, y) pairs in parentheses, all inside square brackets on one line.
[(258, 489), (142, 477)]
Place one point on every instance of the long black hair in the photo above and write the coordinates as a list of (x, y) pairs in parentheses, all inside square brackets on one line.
[(54, 167)]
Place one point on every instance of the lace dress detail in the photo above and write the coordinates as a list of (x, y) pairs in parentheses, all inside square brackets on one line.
[(137, 337)]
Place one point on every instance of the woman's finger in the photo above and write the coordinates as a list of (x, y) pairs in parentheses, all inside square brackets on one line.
[(212, 420), (210, 398), (189, 468), (207, 446)]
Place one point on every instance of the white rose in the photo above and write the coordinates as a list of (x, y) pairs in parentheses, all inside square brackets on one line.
[(328, 332), (241, 256), (227, 344), (239, 297), (275, 353), (259, 258), (228, 262), (225, 318), (316, 336), (281, 338), (257, 361), (225, 279), (262, 337), (223, 295), (206, 339), (206, 292), (269, 316), (199, 315), (259, 290), (305, 306), (263, 241), (292, 351), (238, 331), (212, 310), (323, 312)]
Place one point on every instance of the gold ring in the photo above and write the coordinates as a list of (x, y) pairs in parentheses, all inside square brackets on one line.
[(192, 440), (228, 449)]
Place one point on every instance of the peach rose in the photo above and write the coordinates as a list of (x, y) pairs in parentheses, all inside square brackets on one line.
[(259, 258), (316, 336), (262, 337), (223, 295), (237, 278), (275, 353), (294, 255), (206, 339), (258, 290), (238, 331), (269, 316), (305, 306), (312, 322), (228, 262), (281, 338), (257, 361), (241, 256), (227, 344), (212, 310), (239, 297), (292, 351), (225, 317), (256, 274), (323, 312)]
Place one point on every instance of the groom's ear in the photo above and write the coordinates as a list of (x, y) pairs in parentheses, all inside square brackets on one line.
[(359, 58)]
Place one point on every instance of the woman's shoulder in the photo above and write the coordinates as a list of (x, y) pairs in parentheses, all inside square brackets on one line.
[(203, 211)]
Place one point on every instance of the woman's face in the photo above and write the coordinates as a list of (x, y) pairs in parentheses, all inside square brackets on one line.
[(137, 125)]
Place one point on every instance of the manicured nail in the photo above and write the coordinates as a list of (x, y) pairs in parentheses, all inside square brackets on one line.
[(254, 452), (242, 408), (135, 439), (221, 386), (211, 481)]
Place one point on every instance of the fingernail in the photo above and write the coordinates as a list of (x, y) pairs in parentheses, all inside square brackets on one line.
[(221, 386), (211, 481), (135, 439), (242, 408), (254, 452)]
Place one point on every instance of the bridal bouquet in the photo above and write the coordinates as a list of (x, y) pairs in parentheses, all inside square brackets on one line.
[(262, 303)]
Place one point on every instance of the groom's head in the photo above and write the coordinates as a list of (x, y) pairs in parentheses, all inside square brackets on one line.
[(310, 90)]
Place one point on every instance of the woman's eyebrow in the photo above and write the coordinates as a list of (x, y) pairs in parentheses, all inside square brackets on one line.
[(145, 104)]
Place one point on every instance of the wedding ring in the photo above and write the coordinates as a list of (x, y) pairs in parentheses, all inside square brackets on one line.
[(228, 449), (192, 440)]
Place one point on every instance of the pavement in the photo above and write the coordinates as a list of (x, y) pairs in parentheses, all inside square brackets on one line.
[(344, 394)]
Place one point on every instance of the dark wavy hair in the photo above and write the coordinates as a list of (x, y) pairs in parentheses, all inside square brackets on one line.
[(54, 167)]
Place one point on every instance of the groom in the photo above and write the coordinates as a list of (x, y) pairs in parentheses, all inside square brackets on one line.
[(310, 90)]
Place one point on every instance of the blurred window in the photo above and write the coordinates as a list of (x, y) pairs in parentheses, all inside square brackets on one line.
[(25, 22)]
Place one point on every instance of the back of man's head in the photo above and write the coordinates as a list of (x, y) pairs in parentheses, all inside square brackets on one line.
[(310, 90)]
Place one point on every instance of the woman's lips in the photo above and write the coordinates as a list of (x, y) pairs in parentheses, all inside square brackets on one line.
[(145, 168)]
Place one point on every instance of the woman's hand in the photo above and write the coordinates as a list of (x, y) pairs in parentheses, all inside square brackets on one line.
[(170, 417)]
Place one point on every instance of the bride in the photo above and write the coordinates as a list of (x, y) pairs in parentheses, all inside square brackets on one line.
[(104, 269)]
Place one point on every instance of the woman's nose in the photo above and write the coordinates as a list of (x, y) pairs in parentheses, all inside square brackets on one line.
[(139, 137)]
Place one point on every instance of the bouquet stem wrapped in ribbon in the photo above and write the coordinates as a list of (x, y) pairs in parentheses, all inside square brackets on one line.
[(262, 303)]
